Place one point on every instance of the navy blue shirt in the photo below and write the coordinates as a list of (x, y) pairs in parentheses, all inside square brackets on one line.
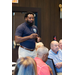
[(25, 30)]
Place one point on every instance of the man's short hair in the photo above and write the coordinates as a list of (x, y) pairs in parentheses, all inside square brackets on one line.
[(25, 16), (42, 50)]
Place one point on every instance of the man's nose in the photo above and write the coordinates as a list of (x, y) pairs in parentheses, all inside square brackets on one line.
[(32, 18)]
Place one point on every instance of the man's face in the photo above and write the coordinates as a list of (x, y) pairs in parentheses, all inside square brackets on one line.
[(30, 19), (60, 44), (55, 47), (45, 57)]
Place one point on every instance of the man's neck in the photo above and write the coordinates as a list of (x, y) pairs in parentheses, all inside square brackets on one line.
[(39, 57), (54, 52)]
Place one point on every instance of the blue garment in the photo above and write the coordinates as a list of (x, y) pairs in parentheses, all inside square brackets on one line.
[(25, 30), (56, 58)]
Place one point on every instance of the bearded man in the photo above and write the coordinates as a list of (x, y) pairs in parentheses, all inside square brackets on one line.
[(26, 34)]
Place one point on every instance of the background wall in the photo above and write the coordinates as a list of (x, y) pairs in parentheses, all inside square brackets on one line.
[(51, 24)]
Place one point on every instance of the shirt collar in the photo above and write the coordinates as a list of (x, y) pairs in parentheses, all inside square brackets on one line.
[(38, 58), (53, 52)]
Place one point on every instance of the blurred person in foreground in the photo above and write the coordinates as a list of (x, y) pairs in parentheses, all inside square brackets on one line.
[(26, 66), (56, 55), (26, 34), (60, 44), (42, 56)]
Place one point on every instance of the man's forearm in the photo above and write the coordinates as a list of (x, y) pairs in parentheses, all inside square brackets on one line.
[(59, 65), (19, 39)]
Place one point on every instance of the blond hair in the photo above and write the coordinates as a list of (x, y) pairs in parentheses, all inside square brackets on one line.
[(39, 44), (24, 65)]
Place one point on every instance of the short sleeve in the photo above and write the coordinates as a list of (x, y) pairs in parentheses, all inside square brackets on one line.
[(19, 31)]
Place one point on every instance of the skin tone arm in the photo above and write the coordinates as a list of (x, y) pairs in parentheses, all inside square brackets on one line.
[(58, 65), (38, 39), (19, 39), (50, 70)]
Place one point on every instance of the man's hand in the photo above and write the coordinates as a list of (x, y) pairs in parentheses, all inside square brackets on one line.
[(34, 35), (58, 65), (38, 39)]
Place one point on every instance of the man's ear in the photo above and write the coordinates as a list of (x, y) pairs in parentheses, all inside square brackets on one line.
[(44, 55)]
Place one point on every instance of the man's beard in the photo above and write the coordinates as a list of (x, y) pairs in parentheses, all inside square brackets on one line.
[(29, 23)]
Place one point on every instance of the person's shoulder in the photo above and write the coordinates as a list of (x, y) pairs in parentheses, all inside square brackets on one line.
[(21, 25), (50, 54), (42, 64), (60, 51), (50, 51), (34, 26)]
